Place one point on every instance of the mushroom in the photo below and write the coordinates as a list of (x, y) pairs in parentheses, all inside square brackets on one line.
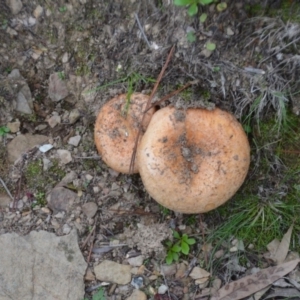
[(117, 127), (194, 160)]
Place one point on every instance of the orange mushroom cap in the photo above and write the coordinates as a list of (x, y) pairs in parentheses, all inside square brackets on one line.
[(117, 127), (195, 160)]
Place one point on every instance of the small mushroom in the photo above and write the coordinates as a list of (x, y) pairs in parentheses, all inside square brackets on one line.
[(194, 160), (117, 127)]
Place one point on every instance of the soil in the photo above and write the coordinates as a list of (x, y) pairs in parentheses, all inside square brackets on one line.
[(97, 48)]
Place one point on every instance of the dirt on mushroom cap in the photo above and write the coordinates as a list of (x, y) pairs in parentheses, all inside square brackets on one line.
[(116, 129), (193, 161)]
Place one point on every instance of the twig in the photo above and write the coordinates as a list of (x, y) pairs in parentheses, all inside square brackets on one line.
[(7, 190), (92, 243), (148, 104), (172, 94), (141, 29), (88, 237)]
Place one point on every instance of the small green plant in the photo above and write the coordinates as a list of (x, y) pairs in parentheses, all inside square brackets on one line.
[(62, 9), (61, 75), (99, 295), (181, 246), (4, 130), (191, 37), (192, 5)]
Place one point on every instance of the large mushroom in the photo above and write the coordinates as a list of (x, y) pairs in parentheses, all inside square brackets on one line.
[(194, 160), (117, 127)]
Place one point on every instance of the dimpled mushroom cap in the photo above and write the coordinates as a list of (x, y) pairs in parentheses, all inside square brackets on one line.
[(195, 160), (117, 127)]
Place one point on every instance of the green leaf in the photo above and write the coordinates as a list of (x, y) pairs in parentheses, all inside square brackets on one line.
[(176, 234), (221, 6), (203, 18), (176, 248), (169, 258), (169, 244), (99, 295), (191, 241), (193, 9), (191, 37), (205, 2), (185, 249), (183, 2), (175, 256), (210, 46)]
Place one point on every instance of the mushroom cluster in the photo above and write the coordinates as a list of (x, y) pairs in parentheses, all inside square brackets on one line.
[(190, 161)]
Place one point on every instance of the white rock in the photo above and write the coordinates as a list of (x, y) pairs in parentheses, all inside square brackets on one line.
[(66, 229), (64, 156), (88, 177), (31, 21), (45, 148), (74, 140), (46, 164), (65, 58), (162, 289)]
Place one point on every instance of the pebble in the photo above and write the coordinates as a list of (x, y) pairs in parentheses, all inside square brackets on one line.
[(38, 11), (137, 295), (137, 282), (198, 272), (14, 126), (88, 177), (74, 140), (136, 261), (74, 116), (45, 148), (113, 272), (66, 229), (58, 89), (162, 289), (90, 209), (65, 58), (15, 6), (96, 189), (64, 156), (54, 120), (168, 270)]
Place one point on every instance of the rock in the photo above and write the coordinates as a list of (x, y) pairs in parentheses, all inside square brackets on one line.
[(54, 120), (41, 265), (23, 103), (66, 229), (113, 272), (168, 270), (90, 209), (199, 273), (137, 282), (14, 126), (181, 269), (74, 115), (22, 143), (74, 140), (61, 199), (64, 156), (46, 164), (65, 58), (58, 89), (137, 295), (15, 6), (136, 261), (4, 200), (162, 289), (38, 11)]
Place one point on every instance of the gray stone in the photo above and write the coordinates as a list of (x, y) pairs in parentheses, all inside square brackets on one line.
[(22, 143), (61, 199), (90, 209), (23, 104), (58, 89), (136, 261), (74, 115), (64, 156), (54, 120), (137, 295), (15, 6), (74, 140), (41, 265), (113, 272), (4, 200)]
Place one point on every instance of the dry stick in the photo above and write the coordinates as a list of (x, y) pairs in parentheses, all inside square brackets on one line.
[(148, 104), (172, 94), (7, 190)]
